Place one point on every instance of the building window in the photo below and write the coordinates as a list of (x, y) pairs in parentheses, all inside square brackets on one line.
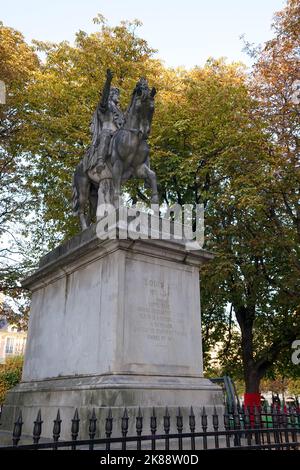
[(9, 348)]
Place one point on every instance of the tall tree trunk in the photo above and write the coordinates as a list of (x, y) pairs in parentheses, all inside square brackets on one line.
[(245, 317)]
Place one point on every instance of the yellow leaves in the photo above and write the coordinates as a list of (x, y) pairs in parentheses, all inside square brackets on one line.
[(17, 59)]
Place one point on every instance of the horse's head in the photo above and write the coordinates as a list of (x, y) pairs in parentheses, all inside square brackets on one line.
[(114, 95), (141, 108)]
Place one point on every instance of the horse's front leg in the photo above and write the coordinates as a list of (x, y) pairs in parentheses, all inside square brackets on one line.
[(143, 171), (153, 182), (83, 198), (93, 200), (81, 188), (117, 172)]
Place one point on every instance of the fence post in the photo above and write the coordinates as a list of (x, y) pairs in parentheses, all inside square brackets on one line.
[(75, 429), (17, 431), (56, 430), (108, 427), (92, 429), (215, 420), (139, 429), (179, 423), (237, 426), (37, 428), (124, 427), (227, 427), (192, 423), (167, 428), (153, 427)]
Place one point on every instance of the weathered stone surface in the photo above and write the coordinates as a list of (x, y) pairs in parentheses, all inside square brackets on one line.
[(113, 323), (85, 399)]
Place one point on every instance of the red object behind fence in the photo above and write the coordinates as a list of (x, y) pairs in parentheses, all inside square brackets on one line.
[(252, 400)]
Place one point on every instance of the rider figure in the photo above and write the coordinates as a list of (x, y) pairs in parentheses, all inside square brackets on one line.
[(107, 119)]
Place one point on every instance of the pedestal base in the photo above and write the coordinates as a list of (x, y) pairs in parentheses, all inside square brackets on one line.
[(113, 323), (115, 392)]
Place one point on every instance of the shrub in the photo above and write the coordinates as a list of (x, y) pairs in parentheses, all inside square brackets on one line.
[(10, 375)]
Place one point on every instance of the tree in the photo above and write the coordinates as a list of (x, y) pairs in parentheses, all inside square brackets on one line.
[(18, 61), (278, 255), (260, 221), (223, 150)]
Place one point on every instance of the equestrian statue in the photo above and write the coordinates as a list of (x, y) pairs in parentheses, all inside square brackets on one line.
[(118, 151)]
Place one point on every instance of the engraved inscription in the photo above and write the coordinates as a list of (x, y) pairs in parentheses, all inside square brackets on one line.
[(161, 331), (154, 320)]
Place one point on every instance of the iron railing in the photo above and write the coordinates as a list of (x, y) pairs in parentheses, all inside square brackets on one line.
[(238, 428)]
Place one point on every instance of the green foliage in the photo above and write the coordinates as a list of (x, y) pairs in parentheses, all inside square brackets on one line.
[(10, 375), (18, 62)]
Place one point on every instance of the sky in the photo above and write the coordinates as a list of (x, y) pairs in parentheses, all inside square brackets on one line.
[(185, 32)]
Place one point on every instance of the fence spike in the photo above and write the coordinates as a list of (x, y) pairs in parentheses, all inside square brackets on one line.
[(139, 428), (139, 422), (153, 422), (204, 419), (124, 422), (109, 423), (93, 425), (192, 420), (75, 426), (153, 428), (56, 428), (124, 428), (17, 431), (167, 421), (108, 427), (179, 421), (37, 428), (215, 418)]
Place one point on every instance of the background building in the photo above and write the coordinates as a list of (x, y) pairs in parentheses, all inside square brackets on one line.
[(12, 340)]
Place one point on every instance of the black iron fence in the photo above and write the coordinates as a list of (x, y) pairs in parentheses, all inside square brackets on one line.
[(238, 428)]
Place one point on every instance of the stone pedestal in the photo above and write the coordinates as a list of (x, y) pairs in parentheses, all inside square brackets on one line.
[(113, 323)]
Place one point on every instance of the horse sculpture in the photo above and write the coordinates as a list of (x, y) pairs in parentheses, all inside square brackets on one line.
[(128, 157)]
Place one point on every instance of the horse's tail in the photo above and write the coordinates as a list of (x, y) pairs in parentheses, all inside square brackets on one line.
[(75, 192)]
